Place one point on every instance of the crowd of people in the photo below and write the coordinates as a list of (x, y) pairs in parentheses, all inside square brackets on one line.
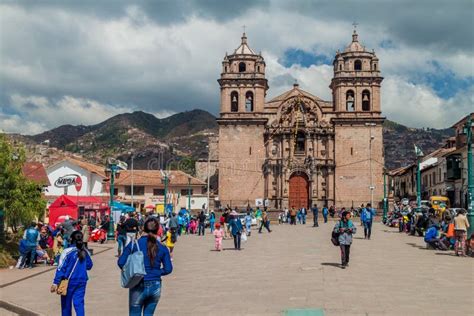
[(446, 232)]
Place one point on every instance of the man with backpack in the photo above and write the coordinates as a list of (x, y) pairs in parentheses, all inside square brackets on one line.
[(342, 236), (366, 218), (315, 215)]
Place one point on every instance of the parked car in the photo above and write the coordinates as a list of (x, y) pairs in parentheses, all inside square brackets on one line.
[(242, 219)]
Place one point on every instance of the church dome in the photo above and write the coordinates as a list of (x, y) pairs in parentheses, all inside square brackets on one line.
[(354, 46), (244, 48)]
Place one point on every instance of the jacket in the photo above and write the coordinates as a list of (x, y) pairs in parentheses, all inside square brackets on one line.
[(345, 238), (461, 222), (431, 234), (315, 211), (325, 211), (67, 260), (235, 226), (32, 237), (162, 263), (367, 214)]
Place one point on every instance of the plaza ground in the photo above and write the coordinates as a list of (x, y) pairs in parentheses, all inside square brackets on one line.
[(291, 268)]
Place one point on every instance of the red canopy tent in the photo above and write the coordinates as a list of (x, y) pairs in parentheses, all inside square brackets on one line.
[(76, 206)]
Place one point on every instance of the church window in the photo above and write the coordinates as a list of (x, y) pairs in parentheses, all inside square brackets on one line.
[(340, 67), (365, 100), (357, 65), (375, 67), (242, 67), (234, 101), (250, 151), (350, 101), (258, 68), (249, 101), (226, 69), (300, 142)]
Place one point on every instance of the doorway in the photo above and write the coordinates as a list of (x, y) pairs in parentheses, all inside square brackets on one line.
[(299, 191)]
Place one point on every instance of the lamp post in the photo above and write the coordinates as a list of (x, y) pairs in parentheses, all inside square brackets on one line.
[(385, 199), (371, 187), (165, 181), (112, 169), (132, 156), (419, 155), (208, 175), (189, 194), (470, 180)]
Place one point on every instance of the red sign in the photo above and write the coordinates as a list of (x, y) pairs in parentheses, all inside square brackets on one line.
[(78, 183)]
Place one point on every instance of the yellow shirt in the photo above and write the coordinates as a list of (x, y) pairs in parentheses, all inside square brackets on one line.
[(169, 243)]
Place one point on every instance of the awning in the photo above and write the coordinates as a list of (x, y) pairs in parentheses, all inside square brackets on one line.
[(119, 207)]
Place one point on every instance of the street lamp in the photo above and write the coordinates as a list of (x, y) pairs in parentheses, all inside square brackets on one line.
[(470, 181), (208, 174), (189, 194), (132, 156), (112, 171), (165, 181), (371, 187), (419, 155)]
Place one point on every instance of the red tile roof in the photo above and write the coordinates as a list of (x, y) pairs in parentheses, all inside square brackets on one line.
[(35, 172)]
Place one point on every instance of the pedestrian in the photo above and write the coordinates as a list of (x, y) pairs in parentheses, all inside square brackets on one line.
[(304, 212), (144, 298), (32, 238), (332, 211), (218, 236), (212, 221), (85, 231), (121, 236), (432, 240), (173, 222), (73, 265), (461, 225), (222, 223), (325, 214), (361, 214), (131, 228), (235, 229), (170, 239), (315, 215), (258, 216), (265, 223), (248, 222), (68, 227), (366, 218), (293, 216), (345, 228), (202, 221), (298, 216)]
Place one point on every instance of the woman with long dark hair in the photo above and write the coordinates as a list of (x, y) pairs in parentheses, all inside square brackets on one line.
[(144, 297), (73, 265)]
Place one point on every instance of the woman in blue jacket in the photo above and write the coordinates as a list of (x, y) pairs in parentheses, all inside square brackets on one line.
[(73, 265), (144, 297)]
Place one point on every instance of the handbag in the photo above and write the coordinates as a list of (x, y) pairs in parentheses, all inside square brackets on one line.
[(62, 286), (335, 237), (244, 236), (134, 269)]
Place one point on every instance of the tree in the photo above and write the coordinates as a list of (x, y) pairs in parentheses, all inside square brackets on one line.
[(20, 199)]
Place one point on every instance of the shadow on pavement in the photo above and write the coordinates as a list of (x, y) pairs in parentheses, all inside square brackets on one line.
[(391, 231), (331, 264), (359, 238), (416, 246), (445, 254)]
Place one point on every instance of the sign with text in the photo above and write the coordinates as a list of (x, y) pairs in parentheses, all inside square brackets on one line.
[(68, 180)]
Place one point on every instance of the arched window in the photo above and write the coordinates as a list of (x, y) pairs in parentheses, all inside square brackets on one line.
[(249, 101), (226, 69), (340, 67), (350, 101), (365, 100), (300, 142), (357, 65), (234, 101), (242, 67), (375, 67), (258, 68)]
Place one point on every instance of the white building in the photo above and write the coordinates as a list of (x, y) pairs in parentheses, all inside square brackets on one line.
[(66, 174)]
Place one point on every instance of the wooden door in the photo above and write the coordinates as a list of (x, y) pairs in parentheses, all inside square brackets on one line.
[(298, 191)]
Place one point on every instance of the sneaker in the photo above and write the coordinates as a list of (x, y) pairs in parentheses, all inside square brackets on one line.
[(343, 266)]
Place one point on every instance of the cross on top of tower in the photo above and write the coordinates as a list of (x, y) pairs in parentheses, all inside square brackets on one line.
[(354, 34)]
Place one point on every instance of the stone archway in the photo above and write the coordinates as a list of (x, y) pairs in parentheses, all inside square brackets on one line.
[(299, 191)]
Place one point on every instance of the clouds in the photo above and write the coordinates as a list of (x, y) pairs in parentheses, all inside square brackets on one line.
[(103, 57)]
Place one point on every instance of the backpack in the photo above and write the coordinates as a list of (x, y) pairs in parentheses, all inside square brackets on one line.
[(134, 269), (335, 237)]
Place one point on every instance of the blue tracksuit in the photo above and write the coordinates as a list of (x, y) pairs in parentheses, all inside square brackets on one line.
[(77, 280)]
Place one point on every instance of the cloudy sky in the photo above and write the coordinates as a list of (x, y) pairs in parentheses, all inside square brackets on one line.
[(80, 62)]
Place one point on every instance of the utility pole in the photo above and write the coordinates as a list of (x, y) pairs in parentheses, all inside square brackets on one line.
[(385, 198), (419, 155), (165, 182), (208, 174), (371, 186), (470, 180), (133, 203), (189, 194)]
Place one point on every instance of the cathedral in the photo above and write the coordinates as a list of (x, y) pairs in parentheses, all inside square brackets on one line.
[(297, 150)]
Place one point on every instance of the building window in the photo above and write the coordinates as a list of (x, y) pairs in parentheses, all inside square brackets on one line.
[(350, 102), (249, 101), (234, 101), (300, 142), (365, 100), (357, 65), (375, 67), (242, 67), (226, 69), (258, 68), (115, 191), (137, 190), (159, 192), (186, 192), (340, 67)]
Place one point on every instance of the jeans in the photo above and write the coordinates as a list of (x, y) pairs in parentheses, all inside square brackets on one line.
[(121, 241), (248, 227), (325, 218), (237, 241), (293, 220), (31, 254), (75, 296), (345, 252), (266, 225), (367, 229), (211, 224), (130, 238), (315, 220), (303, 218), (144, 298), (201, 229)]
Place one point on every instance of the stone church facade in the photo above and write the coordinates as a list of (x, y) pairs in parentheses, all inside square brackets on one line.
[(297, 149)]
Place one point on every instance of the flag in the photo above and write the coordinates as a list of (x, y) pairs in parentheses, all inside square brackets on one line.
[(418, 152)]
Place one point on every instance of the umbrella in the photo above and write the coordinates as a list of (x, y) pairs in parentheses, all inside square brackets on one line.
[(150, 206)]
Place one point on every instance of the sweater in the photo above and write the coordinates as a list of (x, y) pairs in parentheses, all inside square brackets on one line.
[(67, 260)]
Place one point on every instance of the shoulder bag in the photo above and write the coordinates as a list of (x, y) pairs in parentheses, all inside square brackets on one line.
[(134, 269), (62, 286)]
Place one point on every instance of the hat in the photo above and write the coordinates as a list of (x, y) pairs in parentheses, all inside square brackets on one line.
[(218, 225)]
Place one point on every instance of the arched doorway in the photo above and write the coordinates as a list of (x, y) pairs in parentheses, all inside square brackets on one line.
[(299, 191)]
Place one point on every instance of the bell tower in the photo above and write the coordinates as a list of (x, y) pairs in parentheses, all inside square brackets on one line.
[(243, 83), (241, 127), (356, 82), (358, 126)]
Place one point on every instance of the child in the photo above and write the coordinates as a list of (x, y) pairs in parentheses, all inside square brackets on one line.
[(170, 239), (57, 247), (218, 234)]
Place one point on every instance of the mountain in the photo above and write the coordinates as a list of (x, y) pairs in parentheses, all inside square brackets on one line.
[(399, 142), (156, 142)]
